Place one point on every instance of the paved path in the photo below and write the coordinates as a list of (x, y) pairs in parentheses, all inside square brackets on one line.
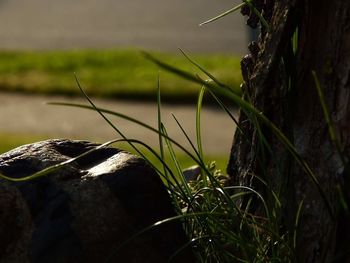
[(30, 115), (152, 24)]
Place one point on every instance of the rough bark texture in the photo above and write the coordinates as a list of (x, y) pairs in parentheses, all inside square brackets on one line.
[(323, 46), (84, 211)]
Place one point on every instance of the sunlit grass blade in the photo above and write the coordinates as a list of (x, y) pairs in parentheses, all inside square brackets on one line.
[(56, 167), (229, 93), (197, 160), (211, 76), (157, 156), (123, 116), (223, 14), (245, 2), (105, 118), (187, 137), (204, 170), (176, 163), (225, 109), (125, 138), (198, 122), (198, 129), (159, 121)]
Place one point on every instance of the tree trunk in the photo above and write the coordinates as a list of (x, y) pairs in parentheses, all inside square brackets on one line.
[(279, 83)]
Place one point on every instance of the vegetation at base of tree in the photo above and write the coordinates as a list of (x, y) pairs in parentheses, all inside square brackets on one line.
[(115, 73)]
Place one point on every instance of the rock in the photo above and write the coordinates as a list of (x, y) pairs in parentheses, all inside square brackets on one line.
[(191, 173), (85, 211)]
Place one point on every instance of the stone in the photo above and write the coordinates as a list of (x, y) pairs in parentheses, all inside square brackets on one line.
[(89, 210)]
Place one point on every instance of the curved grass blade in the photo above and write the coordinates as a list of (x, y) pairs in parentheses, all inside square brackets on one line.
[(123, 116), (211, 76), (245, 2), (158, 223), (226, 109), (159, 118), (223, 14), (198, 122), (175, 161), (187, 137), (60, 165), (56, 167), (204, 170), (217, 89), (198, 129), (196, 160), (103, 116)]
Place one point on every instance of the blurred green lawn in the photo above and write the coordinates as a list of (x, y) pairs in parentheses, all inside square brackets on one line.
[(118, 73)]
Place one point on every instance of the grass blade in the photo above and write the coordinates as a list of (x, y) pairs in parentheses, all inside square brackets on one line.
[(159, 121), (198, 130), (123, 116), (176, 163), (225, 92), (223, 14), (211, 76), (56, 167), (187, 137), (198, 122)]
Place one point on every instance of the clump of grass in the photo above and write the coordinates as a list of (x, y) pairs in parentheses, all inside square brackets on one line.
[(219, 229)]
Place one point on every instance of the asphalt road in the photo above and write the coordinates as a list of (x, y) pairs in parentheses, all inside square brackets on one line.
[(152, 24)]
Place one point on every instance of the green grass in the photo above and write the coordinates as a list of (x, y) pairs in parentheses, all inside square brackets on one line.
[(9, 141), (108, 73)]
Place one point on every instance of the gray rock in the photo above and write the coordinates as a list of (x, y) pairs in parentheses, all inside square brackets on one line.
[(85, 211), (191, 173)]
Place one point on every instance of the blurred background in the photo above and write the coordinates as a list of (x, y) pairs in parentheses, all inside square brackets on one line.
[(43, 43), (153, 24)]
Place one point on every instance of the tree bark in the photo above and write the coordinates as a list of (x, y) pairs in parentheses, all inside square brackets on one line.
[(281, 86)]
